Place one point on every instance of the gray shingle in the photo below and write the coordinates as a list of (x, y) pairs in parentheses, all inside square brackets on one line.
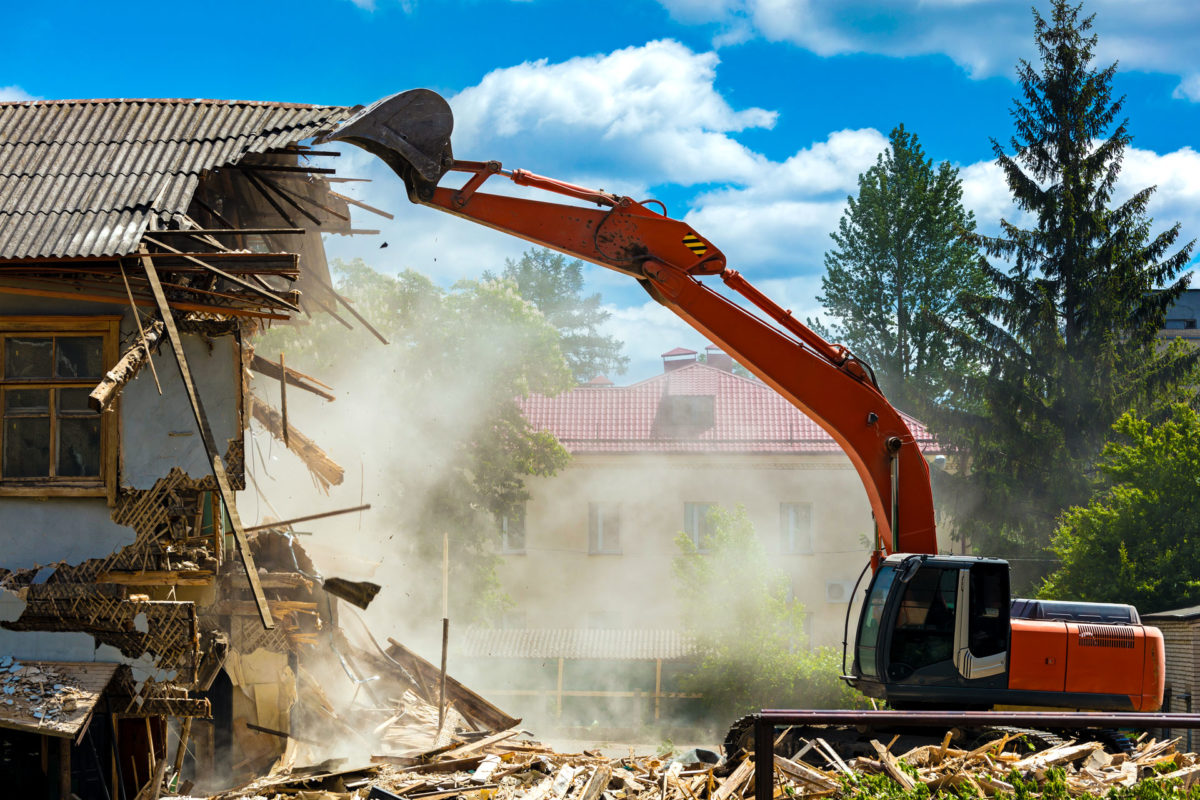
[(84, 177)]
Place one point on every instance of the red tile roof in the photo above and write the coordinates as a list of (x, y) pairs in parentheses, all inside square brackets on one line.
[(747, 417)]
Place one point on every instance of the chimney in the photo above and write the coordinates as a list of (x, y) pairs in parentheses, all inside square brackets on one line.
[(679, 357), (716, 357), (599, 382)]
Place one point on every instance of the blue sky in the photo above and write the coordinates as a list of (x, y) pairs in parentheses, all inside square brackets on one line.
[(749, 118)]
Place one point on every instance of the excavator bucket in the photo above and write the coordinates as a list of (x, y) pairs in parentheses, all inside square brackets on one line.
[(410, 131)]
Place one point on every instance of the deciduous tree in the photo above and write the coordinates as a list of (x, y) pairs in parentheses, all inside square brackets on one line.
[(1136, 540)]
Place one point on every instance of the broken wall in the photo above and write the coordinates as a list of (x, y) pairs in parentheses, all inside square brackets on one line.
[(156, 434)]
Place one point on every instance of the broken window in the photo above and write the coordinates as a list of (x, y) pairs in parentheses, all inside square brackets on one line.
[(604, 528), (51, 441)]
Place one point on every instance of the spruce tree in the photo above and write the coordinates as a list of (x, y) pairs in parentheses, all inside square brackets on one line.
[(897, 268), (1069, 334)]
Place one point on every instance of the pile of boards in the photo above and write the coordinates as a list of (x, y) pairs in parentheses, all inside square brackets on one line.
[(509, 766)]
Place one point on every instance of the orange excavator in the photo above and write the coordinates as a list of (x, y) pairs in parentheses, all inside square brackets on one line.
[(935, 631)]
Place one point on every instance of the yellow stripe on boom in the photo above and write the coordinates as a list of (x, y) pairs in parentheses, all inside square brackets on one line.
[(694, 243)]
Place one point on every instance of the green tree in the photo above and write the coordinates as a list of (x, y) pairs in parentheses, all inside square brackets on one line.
[(438, 407), (1068, 337), (749, 631), (1136, 541), (898, 267), (555, 285)]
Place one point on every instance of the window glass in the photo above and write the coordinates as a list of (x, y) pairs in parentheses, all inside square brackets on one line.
[(79, 446), (924, 632), (79, 357), (604, 528), (21, 402), (795, 527), (872, 620), (28, 357), (697, 525), (26, 447)]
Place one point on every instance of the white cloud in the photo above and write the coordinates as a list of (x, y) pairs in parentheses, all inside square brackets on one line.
[(13, 92), (1188, 88), (986, 37), (631, 118), (617, 121)]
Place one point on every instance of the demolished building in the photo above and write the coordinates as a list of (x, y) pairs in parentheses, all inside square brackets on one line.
[(132, 597)]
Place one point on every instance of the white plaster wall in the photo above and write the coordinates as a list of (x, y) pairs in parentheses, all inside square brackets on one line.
[(159, 433)]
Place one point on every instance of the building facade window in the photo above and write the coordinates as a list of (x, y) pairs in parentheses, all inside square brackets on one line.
[(604, 528), (51, 441), (697, 525), (795, 528), (512, 531)]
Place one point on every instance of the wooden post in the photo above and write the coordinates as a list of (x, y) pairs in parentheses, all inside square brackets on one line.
[(657, 687), (445, 627), (210, 445), (64, 768), (283, 399), (558, 712), (185, 729)]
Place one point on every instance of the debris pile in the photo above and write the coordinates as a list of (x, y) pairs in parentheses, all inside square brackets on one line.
[(478, 765), (38, 691)]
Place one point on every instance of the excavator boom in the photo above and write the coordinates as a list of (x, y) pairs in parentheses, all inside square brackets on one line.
[(411, 132)]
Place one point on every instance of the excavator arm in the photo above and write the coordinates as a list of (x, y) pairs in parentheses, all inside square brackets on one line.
[(410, 131)]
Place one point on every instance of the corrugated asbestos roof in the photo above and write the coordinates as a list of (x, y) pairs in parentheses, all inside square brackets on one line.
[(83, 177), (618, 645), (748, 417)]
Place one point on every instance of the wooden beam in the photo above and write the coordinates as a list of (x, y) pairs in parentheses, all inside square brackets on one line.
[(140, 301), (286, 522), (319, 463), (250, 287), (269, 368), (346, 303), (362, 205), (283, 168), (232, 231), (206, 435)]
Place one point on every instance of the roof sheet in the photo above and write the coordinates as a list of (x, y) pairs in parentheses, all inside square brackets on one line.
[(578, 643), (53, 698), (84, 177), (748, 417), (1182, 614)]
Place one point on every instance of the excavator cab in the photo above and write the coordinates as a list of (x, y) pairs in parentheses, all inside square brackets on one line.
[(943, 632), (933, 621)]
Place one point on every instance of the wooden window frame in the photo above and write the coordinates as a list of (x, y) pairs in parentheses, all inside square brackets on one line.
[(108, 327)]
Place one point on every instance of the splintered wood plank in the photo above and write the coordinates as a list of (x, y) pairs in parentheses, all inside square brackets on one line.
[(206, 436), (459, 752), (805, 773), (888, 761), (1059, 754), (735, 781)]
